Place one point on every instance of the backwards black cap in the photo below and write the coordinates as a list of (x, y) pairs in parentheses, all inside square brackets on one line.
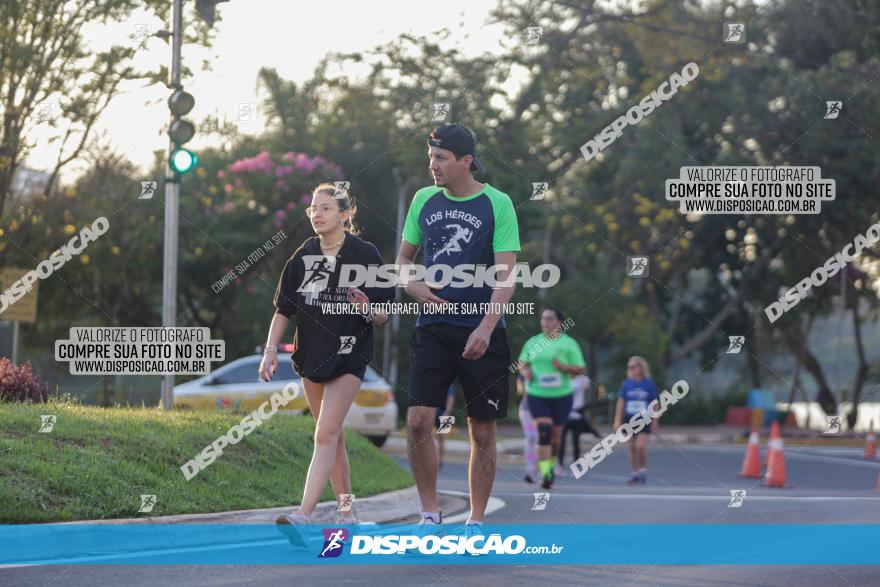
[(458, 139)]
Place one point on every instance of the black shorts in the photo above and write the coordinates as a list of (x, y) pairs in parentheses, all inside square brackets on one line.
[(645, 430), (436, 361), (556, 408), (358, 372)]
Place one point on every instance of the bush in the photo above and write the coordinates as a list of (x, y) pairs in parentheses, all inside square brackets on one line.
[(19, 384)]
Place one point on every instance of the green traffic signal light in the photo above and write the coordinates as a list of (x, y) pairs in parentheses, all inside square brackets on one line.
[(182, 160)]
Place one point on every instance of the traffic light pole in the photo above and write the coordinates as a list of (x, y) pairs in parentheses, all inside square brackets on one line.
[(172, 198)]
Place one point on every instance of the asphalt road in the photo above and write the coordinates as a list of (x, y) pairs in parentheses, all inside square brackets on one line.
[(686, 485)]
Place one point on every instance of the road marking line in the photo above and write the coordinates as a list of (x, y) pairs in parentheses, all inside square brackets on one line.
[(494, 505), (836, 460), (705, 497)]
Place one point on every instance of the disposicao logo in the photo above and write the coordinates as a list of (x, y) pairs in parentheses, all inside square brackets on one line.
[(334, 540)]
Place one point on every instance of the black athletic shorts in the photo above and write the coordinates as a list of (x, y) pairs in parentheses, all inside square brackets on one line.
[(556, 408), (436, 361), (645, 430), (358, 372)]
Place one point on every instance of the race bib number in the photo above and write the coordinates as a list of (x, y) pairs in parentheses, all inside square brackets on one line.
[(549, 380), (634, 406)]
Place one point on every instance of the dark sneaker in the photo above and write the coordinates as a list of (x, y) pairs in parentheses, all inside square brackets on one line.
[(547, 483), (643, 478), (528, 478), (633, 479)]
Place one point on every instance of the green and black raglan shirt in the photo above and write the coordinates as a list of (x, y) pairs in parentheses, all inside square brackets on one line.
[(326, 344), (455, 231)]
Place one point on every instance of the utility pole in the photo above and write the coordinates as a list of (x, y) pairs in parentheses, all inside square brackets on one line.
[(180, 161), (172, 197)]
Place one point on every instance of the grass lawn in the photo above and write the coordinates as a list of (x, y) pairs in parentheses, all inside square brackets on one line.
[(96, 463)]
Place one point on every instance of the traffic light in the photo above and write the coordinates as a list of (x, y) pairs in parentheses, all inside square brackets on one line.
[(181, 160), (205, 9)]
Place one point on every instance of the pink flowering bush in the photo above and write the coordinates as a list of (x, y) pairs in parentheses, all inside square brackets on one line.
[(274, 185), (19, 384)]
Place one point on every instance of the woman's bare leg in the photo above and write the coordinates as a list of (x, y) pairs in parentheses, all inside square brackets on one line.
[(340, 478), (337, 399)]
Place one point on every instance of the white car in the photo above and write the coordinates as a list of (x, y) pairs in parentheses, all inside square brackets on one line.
[(237, 386)]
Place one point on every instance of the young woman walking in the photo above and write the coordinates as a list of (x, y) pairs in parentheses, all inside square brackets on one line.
[(331, 349)]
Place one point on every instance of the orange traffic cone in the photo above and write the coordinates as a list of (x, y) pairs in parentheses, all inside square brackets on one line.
[(775, 476), (751, 466), (871, 443)]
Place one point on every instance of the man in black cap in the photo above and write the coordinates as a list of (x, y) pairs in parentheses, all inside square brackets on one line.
[(459, 221)]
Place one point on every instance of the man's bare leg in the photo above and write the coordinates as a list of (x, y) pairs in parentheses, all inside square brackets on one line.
[(481, 470), (423, 453)]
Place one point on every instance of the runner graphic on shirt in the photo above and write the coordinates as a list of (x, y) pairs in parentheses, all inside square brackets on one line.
[(320, 271), (453, 245)]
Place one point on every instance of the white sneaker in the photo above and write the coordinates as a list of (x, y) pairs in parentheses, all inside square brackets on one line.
[(426, 527), (469, 530)]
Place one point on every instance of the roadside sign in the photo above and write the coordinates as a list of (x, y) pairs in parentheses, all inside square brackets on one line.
[(25, 309)]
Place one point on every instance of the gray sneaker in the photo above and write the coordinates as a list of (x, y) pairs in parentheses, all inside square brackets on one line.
[(352, 520), (287, 525)]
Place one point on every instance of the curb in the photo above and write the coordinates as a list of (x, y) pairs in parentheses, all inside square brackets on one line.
[(376, 508), (88, 538)]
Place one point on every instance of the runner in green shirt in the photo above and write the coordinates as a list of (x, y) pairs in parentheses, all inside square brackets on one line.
[(548, 361)]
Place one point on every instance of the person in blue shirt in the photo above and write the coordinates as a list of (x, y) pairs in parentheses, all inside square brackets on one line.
[(636, 393)]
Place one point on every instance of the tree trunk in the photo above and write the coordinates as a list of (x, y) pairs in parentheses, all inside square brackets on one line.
[(107, 392), (862, 369), (7, 171), (799, 358), (701, 337), (825, 397), (592, 366), (752, 349)]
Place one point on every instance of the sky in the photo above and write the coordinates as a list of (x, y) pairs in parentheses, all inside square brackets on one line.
[(288, 36)]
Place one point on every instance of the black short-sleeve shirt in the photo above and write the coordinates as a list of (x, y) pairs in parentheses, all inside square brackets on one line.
[(327, 345)]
